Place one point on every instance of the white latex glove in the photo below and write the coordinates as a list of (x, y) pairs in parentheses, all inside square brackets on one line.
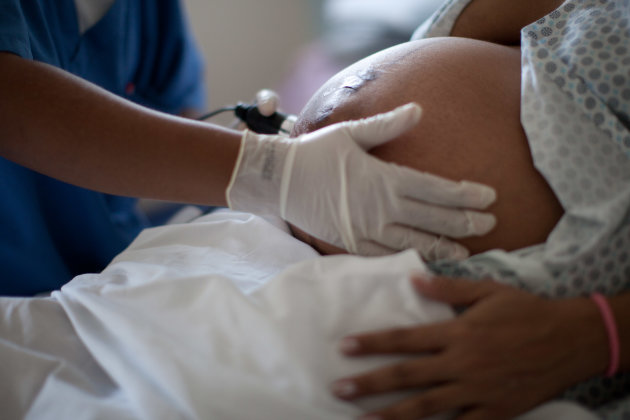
[(326, 184)]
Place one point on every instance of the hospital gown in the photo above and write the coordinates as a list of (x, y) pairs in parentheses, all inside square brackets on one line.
[(575, 109)]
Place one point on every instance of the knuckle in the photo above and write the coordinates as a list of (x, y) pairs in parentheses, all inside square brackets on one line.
[(414, 408), (398, 336), (425, 405), (365, 384), (399, 373), (475, 362), (404, 374), (459, 332)]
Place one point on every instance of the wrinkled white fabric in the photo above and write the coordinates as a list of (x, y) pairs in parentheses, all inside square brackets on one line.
[(202, 331), (225, 318), (326, 184), (45, 370)]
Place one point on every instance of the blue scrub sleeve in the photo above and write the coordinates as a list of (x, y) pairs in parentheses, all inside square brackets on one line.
[(13, 29), (171, 71), (154, 42)]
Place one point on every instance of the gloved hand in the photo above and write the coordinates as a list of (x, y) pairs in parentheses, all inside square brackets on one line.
[(326, 184)]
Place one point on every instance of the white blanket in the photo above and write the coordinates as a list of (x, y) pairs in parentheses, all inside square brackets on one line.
[(225, 318)]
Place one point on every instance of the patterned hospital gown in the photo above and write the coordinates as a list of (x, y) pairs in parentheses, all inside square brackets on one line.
[(575, 109)]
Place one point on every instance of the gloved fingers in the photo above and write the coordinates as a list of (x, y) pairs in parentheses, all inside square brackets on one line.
[(381, 128), (453, 222), (437, 190), (430, 247), (370, 248)]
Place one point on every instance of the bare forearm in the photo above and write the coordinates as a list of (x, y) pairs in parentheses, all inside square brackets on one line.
[(500, 21), (64, 127)]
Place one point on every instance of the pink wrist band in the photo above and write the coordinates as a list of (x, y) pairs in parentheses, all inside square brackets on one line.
[(611, 329)]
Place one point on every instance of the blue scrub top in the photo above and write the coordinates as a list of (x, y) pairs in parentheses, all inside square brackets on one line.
[(142, 50)]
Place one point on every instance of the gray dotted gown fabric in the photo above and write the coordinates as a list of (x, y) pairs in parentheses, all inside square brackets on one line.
[(575, 109)]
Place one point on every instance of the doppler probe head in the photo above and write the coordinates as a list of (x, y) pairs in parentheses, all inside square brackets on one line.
[(267, 102), (263, 117)]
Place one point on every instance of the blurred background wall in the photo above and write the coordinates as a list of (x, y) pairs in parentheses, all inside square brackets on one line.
[(248, 44), (293, 46)]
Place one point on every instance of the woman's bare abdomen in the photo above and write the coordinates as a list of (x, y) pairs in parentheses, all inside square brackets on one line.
[(470, 129)]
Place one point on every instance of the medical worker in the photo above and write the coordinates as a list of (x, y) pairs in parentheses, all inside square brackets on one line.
[(87, 87)]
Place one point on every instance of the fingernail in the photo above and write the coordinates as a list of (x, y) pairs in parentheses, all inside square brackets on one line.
[(481, 223), (488, 196), (349, 345), (450, 251), (344, 388), (413, 107), (485, 194), (423, 276), (420, 281), (459, 253)]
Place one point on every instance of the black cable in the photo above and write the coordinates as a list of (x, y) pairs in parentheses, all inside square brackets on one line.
[(216, 112)]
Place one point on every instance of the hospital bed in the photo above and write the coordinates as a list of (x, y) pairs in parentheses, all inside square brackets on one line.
[(227, 317)]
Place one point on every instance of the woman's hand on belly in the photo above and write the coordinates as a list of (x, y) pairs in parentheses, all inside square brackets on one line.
[(507, 353)]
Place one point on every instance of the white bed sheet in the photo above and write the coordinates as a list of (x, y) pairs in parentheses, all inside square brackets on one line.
[(225, 318)]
